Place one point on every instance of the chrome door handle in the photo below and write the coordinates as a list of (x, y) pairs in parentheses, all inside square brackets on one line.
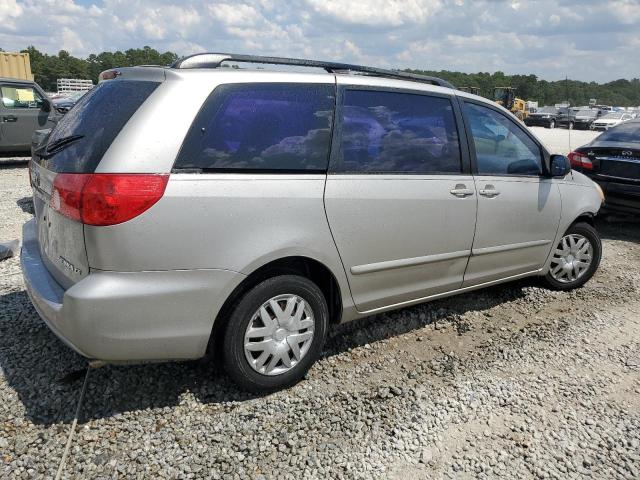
[(9, 118), (461, 191), (489, 191)]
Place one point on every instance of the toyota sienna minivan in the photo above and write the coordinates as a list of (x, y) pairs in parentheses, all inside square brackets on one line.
[(192, 208)]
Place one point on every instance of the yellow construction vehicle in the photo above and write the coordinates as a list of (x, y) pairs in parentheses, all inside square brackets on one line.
[(506, 96), (471, 90)]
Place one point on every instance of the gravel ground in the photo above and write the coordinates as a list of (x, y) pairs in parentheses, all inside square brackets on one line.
[(510, 382)]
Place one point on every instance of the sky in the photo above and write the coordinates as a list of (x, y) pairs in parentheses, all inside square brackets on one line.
[(582, 39)]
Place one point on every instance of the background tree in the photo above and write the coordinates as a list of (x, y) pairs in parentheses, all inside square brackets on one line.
[(48, 68)]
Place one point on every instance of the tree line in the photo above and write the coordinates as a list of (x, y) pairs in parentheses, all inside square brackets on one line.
[(48, 68), (624, 93)]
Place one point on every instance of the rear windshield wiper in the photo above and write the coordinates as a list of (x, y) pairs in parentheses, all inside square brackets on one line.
[(49, 150)]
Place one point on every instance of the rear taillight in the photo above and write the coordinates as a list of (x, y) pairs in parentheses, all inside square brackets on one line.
[(106, 198), (580, 160)]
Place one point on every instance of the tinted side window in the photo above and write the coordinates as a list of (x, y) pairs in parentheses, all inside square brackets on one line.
[(392, 132), (97, 119), (266, 127), (501, 147)]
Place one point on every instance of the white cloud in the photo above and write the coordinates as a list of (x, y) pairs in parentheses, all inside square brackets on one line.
[(70, 40), (9, 10), (590, 40), (377, 12)]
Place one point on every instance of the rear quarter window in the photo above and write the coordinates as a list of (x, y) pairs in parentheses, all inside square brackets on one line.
[(261, 127), (97, 118)]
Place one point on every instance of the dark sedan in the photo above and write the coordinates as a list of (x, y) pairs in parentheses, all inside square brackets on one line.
[(613, 160), (584, 118), (64, 104), (543, 117)]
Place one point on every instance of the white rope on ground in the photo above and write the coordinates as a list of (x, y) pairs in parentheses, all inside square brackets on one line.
[(73, 427)]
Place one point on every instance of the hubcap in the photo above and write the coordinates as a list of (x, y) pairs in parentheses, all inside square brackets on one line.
[(571, 258), (279, 334)]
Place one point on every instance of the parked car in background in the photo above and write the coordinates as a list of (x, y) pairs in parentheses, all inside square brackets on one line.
[(64, 104), (610, 120), (566, 117), (288, 201), (24, 108), (613, 161), (584, 118), (543, 117)]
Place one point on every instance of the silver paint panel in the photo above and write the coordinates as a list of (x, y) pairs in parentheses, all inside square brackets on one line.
[(393, 220), (526, 212)]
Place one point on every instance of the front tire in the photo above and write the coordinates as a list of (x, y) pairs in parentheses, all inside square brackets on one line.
[(552, 124), (575, 259), (275, 333)]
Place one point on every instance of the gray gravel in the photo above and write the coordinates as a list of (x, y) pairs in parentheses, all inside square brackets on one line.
[(510, 382)]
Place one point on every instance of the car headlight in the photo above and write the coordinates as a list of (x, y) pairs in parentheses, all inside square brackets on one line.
[(600, 192)]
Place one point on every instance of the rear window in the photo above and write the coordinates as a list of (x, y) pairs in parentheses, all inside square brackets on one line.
[(95, 120), (625, 132), (261, 127)]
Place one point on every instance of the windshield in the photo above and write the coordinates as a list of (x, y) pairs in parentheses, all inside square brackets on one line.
[(586, 113), (625, 132), (612, 116), (82, 136), (547, 110)]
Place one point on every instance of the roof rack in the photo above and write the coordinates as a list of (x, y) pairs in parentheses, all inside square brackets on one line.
[(214, 60)]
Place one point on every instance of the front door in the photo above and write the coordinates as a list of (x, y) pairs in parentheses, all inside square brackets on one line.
[(21, 113), (518, 207), (400, 202)]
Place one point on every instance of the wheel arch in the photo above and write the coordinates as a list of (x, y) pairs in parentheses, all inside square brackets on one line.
[(304, 266), (586, 217)]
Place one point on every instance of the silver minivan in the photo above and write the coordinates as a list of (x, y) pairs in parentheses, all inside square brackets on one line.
[(195, 208)]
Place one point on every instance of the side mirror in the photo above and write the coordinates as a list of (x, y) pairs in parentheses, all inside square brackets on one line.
[(560, 166), (46, 105)]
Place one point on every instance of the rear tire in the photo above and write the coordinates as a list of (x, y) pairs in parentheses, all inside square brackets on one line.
[(575, 259), (552, 124), (275, 333)]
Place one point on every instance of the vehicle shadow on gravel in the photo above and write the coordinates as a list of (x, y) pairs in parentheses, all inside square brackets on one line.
[(625, 228), (47, 375)]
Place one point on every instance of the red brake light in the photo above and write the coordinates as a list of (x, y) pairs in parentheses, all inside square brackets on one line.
[(580, 160), (106, 198)]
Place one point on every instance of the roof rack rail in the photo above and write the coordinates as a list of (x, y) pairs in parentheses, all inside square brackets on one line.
[(214, 60)]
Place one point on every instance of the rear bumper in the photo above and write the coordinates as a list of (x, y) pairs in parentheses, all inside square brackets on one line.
[(128, 316)]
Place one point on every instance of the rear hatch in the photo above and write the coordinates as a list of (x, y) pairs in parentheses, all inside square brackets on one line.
[(619, 163), (615, 154), (74, 148)]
